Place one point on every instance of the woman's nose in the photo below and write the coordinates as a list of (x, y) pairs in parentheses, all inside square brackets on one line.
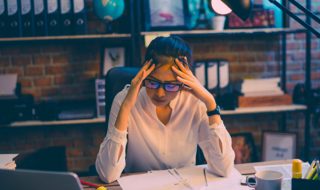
[(161, 92)]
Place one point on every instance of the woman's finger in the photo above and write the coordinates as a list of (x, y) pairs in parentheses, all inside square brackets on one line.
[(151, 68), (185, 81), (145, 66), (180, 65), (148, 71), (181, 74)]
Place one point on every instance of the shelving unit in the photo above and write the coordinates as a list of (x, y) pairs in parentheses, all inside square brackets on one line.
[(55, 123), (204, 33), (70, 38), (134, 41), (238, 111), (267, 109)]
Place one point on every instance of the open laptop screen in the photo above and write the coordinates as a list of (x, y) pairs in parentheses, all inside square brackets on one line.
[(38, 180)]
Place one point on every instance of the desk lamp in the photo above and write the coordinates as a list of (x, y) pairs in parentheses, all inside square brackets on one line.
[(242, 9)]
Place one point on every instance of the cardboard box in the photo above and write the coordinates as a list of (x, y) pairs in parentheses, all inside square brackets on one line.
[(259, 101)]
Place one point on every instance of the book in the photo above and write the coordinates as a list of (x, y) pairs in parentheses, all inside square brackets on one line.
[(40, 17), (7, 161)]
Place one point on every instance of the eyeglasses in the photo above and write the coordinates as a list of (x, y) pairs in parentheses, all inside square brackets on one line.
[(167, 86)]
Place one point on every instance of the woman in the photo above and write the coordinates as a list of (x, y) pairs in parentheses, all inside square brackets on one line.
[(157, 121)]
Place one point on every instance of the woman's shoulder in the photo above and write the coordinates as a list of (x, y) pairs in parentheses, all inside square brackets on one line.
[(119, 97)]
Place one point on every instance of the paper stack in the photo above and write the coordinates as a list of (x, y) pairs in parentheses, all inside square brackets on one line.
[(7, 162), (262, 92), (261, 87)]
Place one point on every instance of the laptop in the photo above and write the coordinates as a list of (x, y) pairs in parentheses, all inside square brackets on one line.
[(38, 180)]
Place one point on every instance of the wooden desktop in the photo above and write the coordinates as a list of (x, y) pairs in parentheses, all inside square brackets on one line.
[(244, 169)]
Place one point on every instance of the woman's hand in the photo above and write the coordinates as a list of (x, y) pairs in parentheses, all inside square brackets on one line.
[(136, 84), (187, 78)]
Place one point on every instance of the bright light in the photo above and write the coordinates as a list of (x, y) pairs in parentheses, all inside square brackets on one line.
[(220, 7)]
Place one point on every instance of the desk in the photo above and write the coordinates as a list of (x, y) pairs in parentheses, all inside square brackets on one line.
[(244, 169)]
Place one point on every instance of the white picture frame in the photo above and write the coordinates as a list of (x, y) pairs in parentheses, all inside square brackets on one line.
[(278, 145), (113, 57)]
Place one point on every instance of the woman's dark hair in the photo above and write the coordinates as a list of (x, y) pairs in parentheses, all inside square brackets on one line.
[(172, 46)]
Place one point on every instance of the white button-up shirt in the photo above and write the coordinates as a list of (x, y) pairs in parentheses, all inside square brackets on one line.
[(148, 144)]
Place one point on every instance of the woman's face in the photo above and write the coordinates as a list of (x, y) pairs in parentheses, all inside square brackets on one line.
[(163, 73)]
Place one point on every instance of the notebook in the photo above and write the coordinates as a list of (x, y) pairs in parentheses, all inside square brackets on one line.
[(38, 180)]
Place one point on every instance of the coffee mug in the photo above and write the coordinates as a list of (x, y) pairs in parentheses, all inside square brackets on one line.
[(217, 22), (265, 180)]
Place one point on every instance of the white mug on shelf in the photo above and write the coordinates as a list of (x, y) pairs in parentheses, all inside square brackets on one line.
[(217, 22)]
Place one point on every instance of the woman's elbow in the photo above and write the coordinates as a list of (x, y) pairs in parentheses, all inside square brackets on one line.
[(105, 174), (108, 178), (229, 164), (223, 167), (228, 167)]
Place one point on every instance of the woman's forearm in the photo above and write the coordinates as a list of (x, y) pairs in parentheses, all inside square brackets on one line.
[(123, 117)]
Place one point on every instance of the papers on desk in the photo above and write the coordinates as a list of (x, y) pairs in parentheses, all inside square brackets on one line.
[(6, 161), (188, 178), (8, 84)]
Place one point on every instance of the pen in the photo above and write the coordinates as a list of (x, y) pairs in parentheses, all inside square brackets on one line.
[(98, 187), (205, 176), (316, 177), (311, 170), (182, 180)]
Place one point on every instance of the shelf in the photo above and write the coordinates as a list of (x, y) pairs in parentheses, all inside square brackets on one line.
[(238, 111), (194, 33), (268, 109), (55, 123), (71, 37)]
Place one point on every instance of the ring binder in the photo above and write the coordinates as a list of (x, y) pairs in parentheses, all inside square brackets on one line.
[(80, 17), (40, 17), (26, 12), (53, 13), (3, 19), (14, 19), (66, 14)]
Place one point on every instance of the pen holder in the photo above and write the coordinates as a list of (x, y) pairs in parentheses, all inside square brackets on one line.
[(298, 184)]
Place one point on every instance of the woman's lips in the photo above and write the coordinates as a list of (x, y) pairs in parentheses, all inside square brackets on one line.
[(159, 100)]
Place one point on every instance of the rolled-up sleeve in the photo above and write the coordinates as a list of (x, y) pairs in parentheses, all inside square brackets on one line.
[(108, 163), (220, 160)]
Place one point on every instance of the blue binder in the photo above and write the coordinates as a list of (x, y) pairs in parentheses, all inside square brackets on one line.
[(40, 17), (26, 12), (3, 19), (79, 17), (53, 20), (66, 16), (13, 18)]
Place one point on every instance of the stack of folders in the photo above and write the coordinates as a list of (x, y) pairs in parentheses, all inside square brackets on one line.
[(7, 161), (20, 18), (311, 180)]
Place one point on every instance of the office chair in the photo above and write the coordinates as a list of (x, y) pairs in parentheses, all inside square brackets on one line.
[(116, 79)]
